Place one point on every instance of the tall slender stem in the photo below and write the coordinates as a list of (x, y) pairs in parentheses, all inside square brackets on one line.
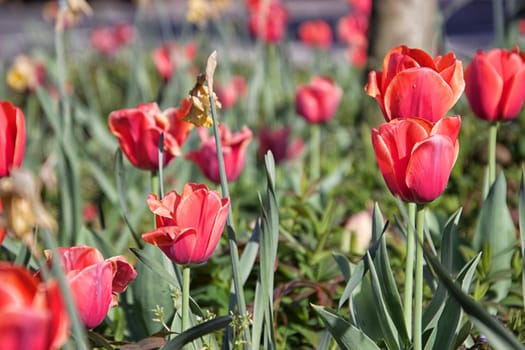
[(185, 298), (232, 240), (493, 133), (418, 299), (315, 152), (409, 266)]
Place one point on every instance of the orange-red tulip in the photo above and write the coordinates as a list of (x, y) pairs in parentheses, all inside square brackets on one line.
[(138, 131), (234, 147), (416, 156), (495, 84), (317, 34), (94, 281), (413, 83), (32, 313), (189, 225), (12, 137), (317, 102)]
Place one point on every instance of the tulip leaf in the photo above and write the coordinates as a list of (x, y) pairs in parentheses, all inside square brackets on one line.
[(198, 331), (521, 210), (498, 336), (347, 336), (388, 329), (495, 229)]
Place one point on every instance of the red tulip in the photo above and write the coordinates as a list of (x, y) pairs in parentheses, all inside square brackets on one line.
[(353, 28), (229, 92), (138, 131), (416, 156), (317, 102), (413, 83), (278, 141), (189, 225), (316, 33), (495, 84), (32, 313), (94, 282), (12, 137), (170, 56), (233, 150), (268, 21)]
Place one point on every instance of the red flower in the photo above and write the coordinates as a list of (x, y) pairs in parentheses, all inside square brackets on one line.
[(228, 93), (316, 33), (353, 28), (32, 313), (189, 225), (317, 102), (278, 141), (138, 131), (12, 137), (495, 84), (416, 156), (109, 40), (413, 83), (268, 22), (364, 6), (94, 282), (169, 57), (233, 150)]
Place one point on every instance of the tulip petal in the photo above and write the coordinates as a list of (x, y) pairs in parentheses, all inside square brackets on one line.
[(92, 289), (162, 236), (429, 168), (483, 89), (184, 249), (420, 93), (124, 274), (449, 126), (513, 95)]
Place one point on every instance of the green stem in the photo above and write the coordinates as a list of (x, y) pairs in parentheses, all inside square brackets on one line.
[(493, 133), (232, 240), (315, 153), (185, 298), (409, 266), (498, 17), (418, 302)]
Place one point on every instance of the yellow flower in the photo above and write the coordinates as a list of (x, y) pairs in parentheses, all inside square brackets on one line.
[(199, 113), (201, 11), (24, 74)]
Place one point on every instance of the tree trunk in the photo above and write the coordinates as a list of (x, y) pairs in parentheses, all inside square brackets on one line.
[(414, 23)]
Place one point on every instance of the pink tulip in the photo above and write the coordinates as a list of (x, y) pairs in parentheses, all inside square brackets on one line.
[(189, 225), (278, 141), (413, 83), (495, 84), (317, 102), (229, 92), (94, 281), (416, 156), (234, 147)]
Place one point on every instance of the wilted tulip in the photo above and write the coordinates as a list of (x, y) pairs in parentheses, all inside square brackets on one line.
[(13, 136), (233, 150), (317, 102), (495, 84), (268, 20), (317, 34), (32, 313), (189, 225), (138, 131), (413, 83), (357, 232), (94, 281), (278, 141), (26, 74), (416, 156)]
